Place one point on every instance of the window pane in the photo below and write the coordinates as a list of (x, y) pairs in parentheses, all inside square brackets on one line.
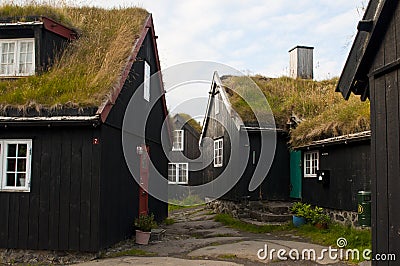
[(21, 165), (21, 179), (11, 165), (12, 150), (10, 180), (22, 150), (171, 173)]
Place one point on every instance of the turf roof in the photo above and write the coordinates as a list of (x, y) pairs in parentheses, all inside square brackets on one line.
[(322, 111), (85, 74)]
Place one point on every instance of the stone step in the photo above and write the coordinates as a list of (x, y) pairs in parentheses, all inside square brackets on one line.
[(270, 217), (271, 207)]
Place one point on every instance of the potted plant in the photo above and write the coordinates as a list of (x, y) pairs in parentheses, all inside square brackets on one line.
[(321, 221), (144, 224), (300, 213)]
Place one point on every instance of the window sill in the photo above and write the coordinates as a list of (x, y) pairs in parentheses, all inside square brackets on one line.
[(177, 149), (310, 176), (15, 190), (177, 183)]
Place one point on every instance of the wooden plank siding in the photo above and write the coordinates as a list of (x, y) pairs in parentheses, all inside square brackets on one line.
[(47, 217), (349, 168), (385, 117)]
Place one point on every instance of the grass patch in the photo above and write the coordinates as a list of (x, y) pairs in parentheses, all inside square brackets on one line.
[(130, 252), (227, 256), (169, 221), (228, 220), (356, 238), (188, 202)]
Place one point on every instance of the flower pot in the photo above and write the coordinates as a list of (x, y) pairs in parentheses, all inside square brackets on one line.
[(298, 221), (142, 238)]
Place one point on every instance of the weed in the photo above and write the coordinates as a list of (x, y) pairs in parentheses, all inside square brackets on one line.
[(228, 256), (130, 252), (169, 221)]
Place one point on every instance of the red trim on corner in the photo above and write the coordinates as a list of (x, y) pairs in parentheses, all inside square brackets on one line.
[(59, 29)]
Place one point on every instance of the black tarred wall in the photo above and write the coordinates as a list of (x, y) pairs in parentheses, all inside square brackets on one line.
[(349, 168)]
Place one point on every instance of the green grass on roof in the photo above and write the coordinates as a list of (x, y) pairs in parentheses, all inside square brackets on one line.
[(193, 123), (324, 113), (89, 68)]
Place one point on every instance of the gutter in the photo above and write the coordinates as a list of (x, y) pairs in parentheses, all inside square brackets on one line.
[(6, 121)]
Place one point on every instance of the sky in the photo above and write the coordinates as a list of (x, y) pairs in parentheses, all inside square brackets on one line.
[(251, 36)]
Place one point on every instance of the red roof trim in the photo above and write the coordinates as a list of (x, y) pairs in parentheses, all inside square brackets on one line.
[(59, 29)]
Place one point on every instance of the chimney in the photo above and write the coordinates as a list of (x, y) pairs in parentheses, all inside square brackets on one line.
[(301, 62)]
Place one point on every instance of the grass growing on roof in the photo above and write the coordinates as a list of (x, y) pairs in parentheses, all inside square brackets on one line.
[(323, 111), (193, 123), (86, 72)]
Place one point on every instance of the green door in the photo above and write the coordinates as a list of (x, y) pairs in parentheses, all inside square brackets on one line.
[(295, 174)]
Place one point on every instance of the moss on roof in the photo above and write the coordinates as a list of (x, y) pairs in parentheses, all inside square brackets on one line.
[(89, 68), (323, 112), (193, 123)]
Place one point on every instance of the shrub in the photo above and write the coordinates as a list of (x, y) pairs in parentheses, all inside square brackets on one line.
[(145, 222)]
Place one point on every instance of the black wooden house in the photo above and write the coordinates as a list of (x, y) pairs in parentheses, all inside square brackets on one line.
[(330, 172), (372, 71), (229, 140), (185, 152), (65, 184)]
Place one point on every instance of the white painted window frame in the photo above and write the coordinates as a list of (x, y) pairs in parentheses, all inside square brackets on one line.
[(218, 152), (177, 172), (308, 163), (17, 56), (146, 83), (3, 165), (179, 140)]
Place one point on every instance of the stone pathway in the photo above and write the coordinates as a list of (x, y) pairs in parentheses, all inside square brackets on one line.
[(196, 239)]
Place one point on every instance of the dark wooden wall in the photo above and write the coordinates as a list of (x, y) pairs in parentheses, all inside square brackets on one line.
[(276, 184), (349, 168), (61, 212), (119, 190), (385, 169)]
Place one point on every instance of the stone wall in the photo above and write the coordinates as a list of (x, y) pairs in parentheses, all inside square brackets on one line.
[(241, 210)]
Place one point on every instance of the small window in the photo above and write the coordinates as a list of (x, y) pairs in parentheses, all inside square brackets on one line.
[(216, 104), (178, 173), (218, 152), (146, 85), (17, 57), (178, 140), (15, 165), (311, 163)]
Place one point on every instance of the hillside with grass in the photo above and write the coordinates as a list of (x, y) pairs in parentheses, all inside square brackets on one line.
[(84, 75), (322, 111)]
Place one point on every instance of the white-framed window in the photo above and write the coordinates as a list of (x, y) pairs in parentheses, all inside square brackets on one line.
[(178, 143), (146, 85), (17, 57), (216, 104), (178, 173), (311, 163), (15, 165), (218, 152)]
